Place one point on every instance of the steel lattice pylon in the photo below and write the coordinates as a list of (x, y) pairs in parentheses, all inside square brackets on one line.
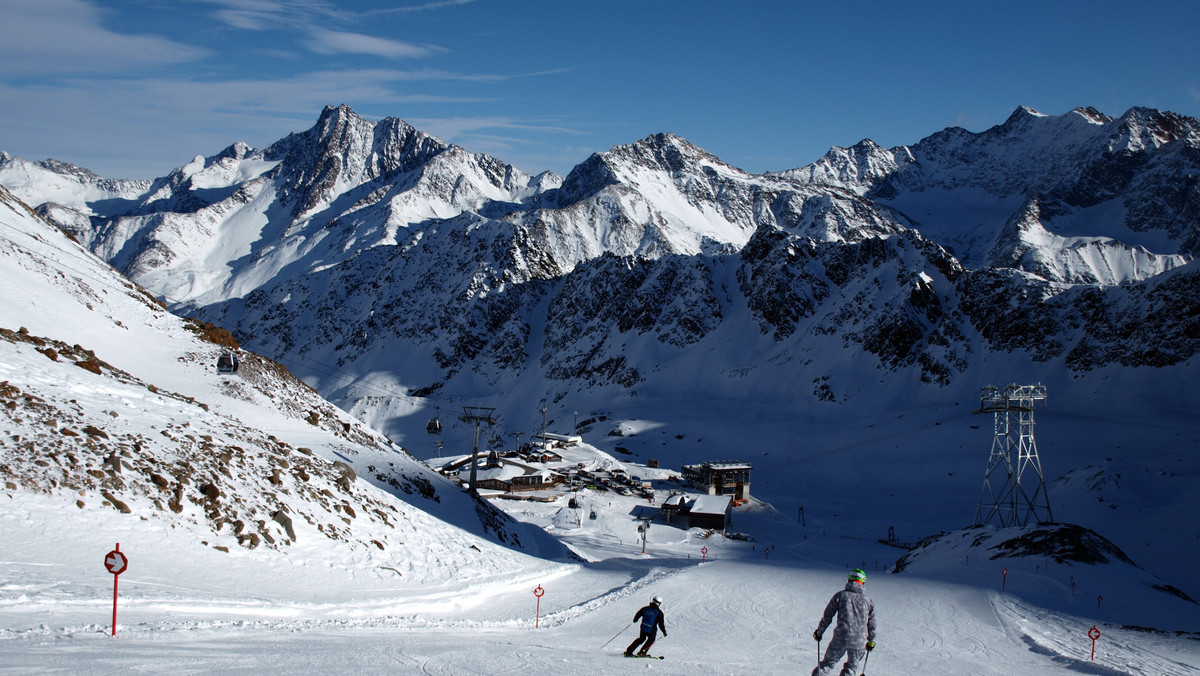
[(1015, 452), (476, 414)]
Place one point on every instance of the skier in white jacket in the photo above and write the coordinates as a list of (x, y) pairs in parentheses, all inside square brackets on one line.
[(855, 631)]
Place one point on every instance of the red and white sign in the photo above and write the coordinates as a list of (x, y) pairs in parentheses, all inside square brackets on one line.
[(115, 562), (538, 617)]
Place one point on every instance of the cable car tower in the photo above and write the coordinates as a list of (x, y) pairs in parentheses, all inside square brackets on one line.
[(1014, 459), (476, 414)]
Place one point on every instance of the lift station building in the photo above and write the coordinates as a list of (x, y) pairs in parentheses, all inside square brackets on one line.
[(730, 478)]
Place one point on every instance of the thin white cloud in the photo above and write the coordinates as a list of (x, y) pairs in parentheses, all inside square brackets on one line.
[(93, 123), (312, 18), (259, 15), (458, 127), (436, 4), (131, 120), (337, 42), (182, 118), (68, 36), (243, 19), (297, 94)]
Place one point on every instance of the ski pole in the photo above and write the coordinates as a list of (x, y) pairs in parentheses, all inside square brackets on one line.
[(818, 652), (615, 637), (865, 660)]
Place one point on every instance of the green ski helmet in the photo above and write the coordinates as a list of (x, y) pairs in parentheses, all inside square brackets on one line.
[(858, 575)]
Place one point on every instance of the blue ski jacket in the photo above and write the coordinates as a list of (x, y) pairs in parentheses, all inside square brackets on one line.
[(651, 617)]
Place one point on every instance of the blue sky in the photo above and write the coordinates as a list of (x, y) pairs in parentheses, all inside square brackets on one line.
[(134, 88)]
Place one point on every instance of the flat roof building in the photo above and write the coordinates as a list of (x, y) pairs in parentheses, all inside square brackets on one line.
[(727, 477)]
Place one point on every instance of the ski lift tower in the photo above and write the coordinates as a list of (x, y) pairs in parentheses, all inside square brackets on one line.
[(1014, 455), (476, 414)]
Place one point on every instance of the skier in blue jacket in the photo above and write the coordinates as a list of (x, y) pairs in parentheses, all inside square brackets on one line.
[(855, 631), (652, 620)]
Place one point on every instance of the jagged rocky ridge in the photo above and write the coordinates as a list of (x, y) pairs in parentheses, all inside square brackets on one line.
[(1065, 239)]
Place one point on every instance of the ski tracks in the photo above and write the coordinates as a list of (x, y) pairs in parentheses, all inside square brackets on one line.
[(618, 594), (917, 629), (1065, 641)]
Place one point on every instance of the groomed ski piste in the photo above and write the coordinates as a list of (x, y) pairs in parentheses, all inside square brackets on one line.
[(180, 611), (731, 609), (416, 590)]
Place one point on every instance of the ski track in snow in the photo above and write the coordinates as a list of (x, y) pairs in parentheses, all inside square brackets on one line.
[(735, 613)]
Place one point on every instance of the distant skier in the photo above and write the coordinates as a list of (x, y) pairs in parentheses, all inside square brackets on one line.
[(855, 631), (652, 621)]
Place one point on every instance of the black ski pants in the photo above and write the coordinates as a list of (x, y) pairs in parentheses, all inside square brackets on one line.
[(648, 636)]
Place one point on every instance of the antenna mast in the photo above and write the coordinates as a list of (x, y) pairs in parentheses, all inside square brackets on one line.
[(1015, 451)]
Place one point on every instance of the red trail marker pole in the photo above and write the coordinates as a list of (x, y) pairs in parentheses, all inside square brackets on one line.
[(703, 554), (1093, 634), (116, 563), (1004, 580), (537, 618)]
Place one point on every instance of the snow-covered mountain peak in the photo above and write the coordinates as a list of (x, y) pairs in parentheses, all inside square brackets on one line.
[(343, 150), (861, 168), (68, 169), (1022, 115), (1092, 115), (236, 151), (667, 152), (65, 184), (1142, 129)]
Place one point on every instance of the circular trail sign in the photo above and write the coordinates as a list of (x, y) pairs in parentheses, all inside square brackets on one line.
[(115, 562)]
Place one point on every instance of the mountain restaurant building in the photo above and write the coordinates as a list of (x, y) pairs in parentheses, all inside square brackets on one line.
[(711, 511), (730, 478)]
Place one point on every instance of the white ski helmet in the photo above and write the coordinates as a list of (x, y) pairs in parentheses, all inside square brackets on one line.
[(657, 600)]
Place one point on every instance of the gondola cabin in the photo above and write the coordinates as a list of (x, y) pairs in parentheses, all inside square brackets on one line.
[(434, 426), (227, 363)]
